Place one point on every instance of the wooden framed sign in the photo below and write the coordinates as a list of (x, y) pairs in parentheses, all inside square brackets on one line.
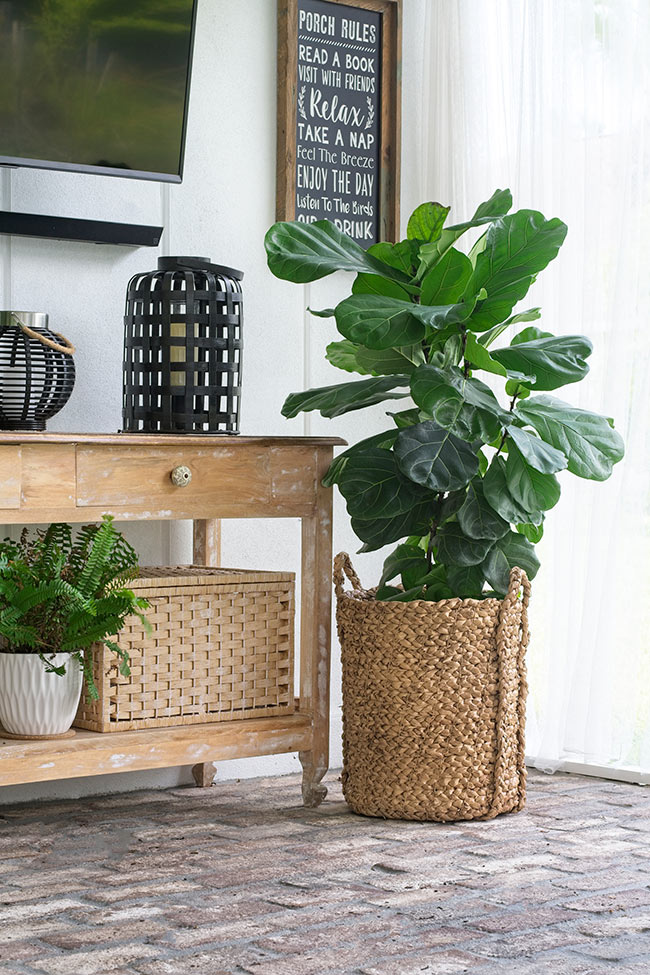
[(339, 93)]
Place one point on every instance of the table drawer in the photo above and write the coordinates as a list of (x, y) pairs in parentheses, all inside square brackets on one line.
[(130, 476)]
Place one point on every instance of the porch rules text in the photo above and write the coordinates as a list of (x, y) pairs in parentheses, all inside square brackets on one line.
[(338, 117)]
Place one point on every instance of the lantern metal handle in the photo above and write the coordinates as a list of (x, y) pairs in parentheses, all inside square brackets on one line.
[(181, 476), (66, 346)]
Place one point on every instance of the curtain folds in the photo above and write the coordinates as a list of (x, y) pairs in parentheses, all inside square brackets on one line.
[(552, 98)]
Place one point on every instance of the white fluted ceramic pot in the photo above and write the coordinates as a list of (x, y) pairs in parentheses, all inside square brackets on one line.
[(35, 702)]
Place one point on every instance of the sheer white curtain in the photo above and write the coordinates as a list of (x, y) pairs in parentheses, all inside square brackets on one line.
[(552, 98)]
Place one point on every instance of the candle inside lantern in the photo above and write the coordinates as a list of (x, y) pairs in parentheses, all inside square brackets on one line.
[(178, 353)]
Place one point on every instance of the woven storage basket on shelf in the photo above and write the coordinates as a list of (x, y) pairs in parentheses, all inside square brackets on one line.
[(434, 700), (221, 649)]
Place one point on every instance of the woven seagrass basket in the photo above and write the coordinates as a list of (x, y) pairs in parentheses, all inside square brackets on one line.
[(434, 697), (221, 649)]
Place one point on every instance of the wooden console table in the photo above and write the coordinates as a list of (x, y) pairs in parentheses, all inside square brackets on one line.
[(80, 477)]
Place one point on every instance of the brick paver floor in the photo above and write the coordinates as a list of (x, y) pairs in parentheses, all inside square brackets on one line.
[(240, 879)]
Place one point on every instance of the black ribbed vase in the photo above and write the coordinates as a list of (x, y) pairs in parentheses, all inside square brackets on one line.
[(183, 348), (36, 371)]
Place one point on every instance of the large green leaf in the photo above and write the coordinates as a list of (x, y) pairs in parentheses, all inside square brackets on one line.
[(457, 548), (533, 533), (530, 334), (510, 551), (518, 246), (334, 400), (303, 252), (433, 391), (553, 361), (487, 338), (389, 362), (343, 355), (440, 393), (406, 556), (536, 452), (446, 281), (379, 322), (440, 316), (434, 457), (533, 490), (436, 584), (426, 222), (450, 504), (374, 486), (352, 357), (402, 256), (466, 581), (478, 355), (476, 393), (373, 284), (497, 494), (427, 379), (377, 532), (477, 518), (498, 204), (405, 418), (382, 322), (588, 440), (417, 575), (385, 439)]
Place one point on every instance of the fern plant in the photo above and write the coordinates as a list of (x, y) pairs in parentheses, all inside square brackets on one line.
[(62, 592), (460, 479)]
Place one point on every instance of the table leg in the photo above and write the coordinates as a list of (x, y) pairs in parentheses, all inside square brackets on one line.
[(206, 550), (204, 774), (315, 615), (207, 542)]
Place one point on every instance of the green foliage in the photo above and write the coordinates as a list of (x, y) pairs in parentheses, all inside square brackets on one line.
[(459, 480), (335, 400), (61, 593)]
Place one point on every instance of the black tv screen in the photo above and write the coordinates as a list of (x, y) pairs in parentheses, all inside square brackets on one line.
[(96, 86)]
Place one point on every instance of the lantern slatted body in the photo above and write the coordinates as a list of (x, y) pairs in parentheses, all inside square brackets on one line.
[(183, 348), (36, 374)]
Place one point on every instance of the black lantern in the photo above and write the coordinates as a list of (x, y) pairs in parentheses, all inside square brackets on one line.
[(183, 348), (36, 371)]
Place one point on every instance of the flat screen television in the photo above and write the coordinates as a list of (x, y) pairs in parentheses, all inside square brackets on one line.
[(96, 86)]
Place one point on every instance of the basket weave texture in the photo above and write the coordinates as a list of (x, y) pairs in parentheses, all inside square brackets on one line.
[(433, 702), (221, 649)]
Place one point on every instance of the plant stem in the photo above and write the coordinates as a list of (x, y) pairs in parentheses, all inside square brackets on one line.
[(505, 432), (433, 528), (430, 546), (466, 364)]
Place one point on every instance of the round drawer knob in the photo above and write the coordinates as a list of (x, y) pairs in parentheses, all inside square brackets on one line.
[(181, 476)]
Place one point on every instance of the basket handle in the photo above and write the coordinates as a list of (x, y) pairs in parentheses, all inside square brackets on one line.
[(343, 567), (518, 581), (65, 346)]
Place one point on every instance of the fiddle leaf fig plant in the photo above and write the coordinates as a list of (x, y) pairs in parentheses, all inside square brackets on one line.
[(460, 479)]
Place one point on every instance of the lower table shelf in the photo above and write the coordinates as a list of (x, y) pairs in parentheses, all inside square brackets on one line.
[(94, 753)]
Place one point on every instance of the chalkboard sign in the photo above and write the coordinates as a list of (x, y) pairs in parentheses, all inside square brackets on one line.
[(338, 115)]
